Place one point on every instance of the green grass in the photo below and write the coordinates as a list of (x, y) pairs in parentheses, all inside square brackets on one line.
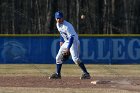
[(67, 70)]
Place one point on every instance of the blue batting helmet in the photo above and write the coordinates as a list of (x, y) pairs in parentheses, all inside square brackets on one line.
[(58, 14)]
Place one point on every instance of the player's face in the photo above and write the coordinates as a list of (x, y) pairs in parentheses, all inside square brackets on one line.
[(59, 20)]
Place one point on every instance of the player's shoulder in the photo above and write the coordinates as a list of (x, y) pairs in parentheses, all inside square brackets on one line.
[(68, 24)]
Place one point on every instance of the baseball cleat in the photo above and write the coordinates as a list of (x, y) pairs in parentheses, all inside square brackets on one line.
[(55, 76), (85, 76)]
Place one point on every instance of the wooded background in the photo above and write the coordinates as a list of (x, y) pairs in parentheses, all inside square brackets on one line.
[(87, 16)]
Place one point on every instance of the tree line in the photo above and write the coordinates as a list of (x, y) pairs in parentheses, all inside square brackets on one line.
[(87, 16)]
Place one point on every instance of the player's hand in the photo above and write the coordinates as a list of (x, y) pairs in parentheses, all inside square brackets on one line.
[(61, 43), (65, 55), (67, 51)]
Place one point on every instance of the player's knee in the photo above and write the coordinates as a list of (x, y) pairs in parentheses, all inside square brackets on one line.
[(77, 61), (58, 60)]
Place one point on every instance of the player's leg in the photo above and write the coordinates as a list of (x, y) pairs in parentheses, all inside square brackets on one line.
[(57, 74), (59, 62), (75, 50)]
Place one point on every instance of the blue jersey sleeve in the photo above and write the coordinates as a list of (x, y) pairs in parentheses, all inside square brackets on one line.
[(61, 39), (70, 42)]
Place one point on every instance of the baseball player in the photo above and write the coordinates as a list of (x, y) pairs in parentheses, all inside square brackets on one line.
[(69, 45)]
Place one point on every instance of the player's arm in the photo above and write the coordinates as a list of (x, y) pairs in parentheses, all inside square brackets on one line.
[(70, 42), (67, 52), (61, 40), (71, 36)]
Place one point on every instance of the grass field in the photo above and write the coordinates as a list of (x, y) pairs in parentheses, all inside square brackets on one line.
[(68, 70)]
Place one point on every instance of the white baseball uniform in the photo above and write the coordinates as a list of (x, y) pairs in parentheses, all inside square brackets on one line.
[(67, 31)]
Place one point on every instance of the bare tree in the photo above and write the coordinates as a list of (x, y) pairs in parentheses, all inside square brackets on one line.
[(99, 16)]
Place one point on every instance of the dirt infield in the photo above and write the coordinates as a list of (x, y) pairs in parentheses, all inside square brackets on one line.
[(123, 83)]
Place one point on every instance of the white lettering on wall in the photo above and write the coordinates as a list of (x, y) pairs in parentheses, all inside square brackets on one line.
[(86, 49), (116, 49), (134, 51), (102, 54), (118, 46)]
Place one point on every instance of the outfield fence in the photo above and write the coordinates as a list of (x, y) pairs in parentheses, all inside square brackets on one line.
[(96, 49)]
